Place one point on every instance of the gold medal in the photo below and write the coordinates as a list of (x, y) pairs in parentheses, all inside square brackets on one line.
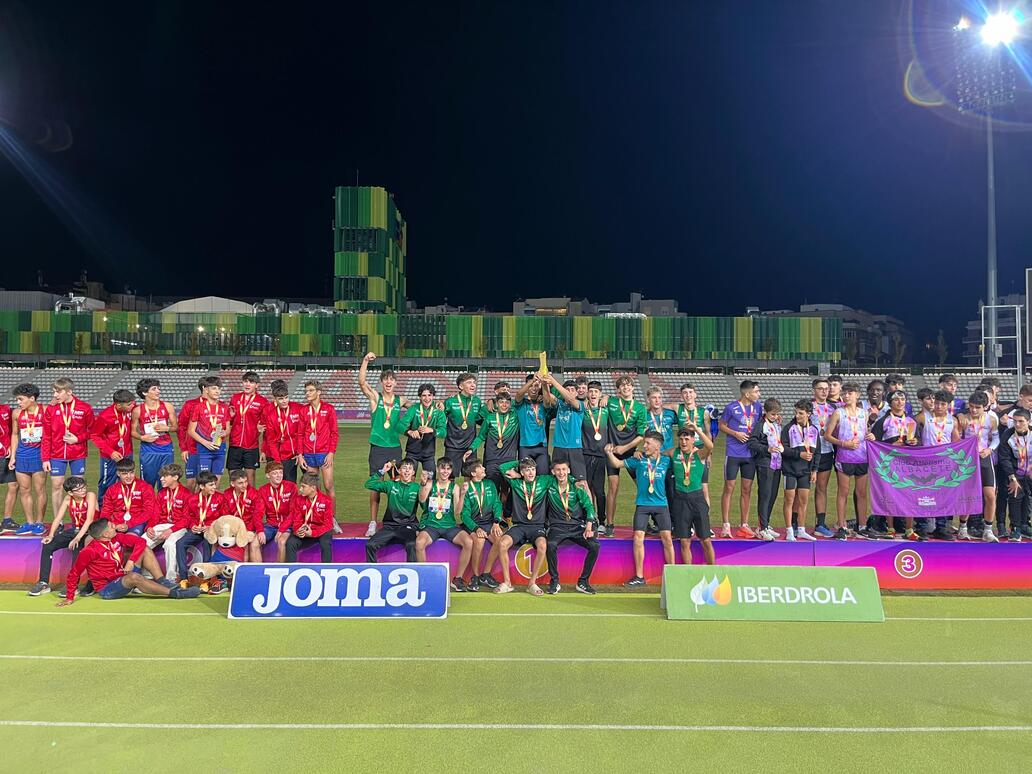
[(500, 444), (387, 424), (652, 489), (621, 427), (464, 425)]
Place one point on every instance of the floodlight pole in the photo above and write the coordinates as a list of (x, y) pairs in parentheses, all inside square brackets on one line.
[(991, 246)]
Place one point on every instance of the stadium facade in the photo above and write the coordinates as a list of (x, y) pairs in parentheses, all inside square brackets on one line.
[(369, 250)]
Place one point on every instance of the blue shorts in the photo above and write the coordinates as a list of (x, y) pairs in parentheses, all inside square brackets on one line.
[(139, 529), (115, 590), (30, 460), (214, 461), (270, 533), (108, 475), (153, 457), (315, 460), (67, 467), (190, 466)]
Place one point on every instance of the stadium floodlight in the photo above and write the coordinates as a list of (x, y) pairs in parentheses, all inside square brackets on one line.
[(1000, 29), (985, 82)]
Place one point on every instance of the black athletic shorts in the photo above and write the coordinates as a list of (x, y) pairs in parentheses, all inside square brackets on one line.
[(689, 511), (7, 476), (448, 533), (852, 468), (733, 466), (986, 465), (643, 513), (796, 482), (575, 458), (427, 462), (381, 455), (540, 455), (455, 455), (525, 533), (611, 471), (484, 524), (826, 462), (238, 458)]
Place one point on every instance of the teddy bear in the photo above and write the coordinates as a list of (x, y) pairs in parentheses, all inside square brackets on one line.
[(229, 538)]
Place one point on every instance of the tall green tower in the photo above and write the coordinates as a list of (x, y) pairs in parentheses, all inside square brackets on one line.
[(369, 245)]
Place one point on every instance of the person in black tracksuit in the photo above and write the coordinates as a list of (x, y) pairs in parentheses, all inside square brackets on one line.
[(800, 439), (765, 444), (1014, 469)]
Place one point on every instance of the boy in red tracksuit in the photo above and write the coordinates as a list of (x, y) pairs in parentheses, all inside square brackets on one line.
[(282, 438), (240, 498), (174, 501), (7, 475), (112, 574), (206, 506), (129, 505), (311, 520), (318, 436), (272, 510), (111, 434), (69, 418), (187, 445), (245, 414)]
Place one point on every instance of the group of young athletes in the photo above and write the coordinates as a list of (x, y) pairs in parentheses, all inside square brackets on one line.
[(515, 489)]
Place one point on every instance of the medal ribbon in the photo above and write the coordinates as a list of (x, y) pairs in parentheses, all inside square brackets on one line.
[(67, 416), (596, 422), (128, 498), (313, 417), (687, 463), (311, 509), (939, 430), (283, 419), (169, 496), (478, 495), (529, 497), (565, 500), (651, 472), (464, 410), (202, 509), (747, 416), (500, 427), (626, 413), (78, 510), (276, 496), (657, 424)]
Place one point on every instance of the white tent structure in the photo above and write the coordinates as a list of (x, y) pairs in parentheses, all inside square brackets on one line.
[(209, 304)]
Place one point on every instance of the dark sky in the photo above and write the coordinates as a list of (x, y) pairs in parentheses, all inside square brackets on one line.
[(733, 154)]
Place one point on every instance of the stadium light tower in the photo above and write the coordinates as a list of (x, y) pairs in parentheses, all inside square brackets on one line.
[(985, 80)]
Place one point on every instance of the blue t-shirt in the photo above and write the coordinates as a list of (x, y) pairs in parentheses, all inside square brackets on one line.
[(657, 497), (662, 423), (568, 421), (740, 418), (533, 422)]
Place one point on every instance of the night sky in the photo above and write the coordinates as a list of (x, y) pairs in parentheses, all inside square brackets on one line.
[(732, 154)]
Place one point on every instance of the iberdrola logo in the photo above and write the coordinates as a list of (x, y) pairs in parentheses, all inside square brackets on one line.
[(710, 593)]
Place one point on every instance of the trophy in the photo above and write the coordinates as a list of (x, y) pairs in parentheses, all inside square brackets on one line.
[(543, 365)]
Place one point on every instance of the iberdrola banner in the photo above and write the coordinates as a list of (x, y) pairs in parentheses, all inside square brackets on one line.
[(925, 481)]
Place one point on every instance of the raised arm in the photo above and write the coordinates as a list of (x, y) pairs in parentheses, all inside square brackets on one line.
[(363, 385)]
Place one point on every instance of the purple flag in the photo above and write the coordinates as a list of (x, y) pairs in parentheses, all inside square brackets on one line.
[(925, 481)]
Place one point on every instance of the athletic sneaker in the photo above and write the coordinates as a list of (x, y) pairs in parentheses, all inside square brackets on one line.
[(190, 592), (337, 529), (963, 533), (841, 534), (1015, 536), (167, 583), (474, 583), (486, 579), (503, 588), (601, 531), (802, 534), (726, 531), (944, 534), (767, 534), (873, 533), (585, 588), (890, 533), (457, 584), (744, 532), (988, 536), (637, 580), (87, 590), (914, 535), (1026, 530), (217, 586), (25, 530), (39, 589), (553, 588), (8, 525), (39, 529), (790, 535), (823, 531), (371, 529)]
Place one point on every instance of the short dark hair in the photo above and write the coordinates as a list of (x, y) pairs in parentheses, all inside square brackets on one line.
[(875, 382), (925, 392), (817, 381), (426, 387), (211, 381), (595, 383), (279, 388), (582, 379), (97, 528), (387, 373), (123, 396), (561, 461), (992, 381), (528, 463), (463, 377), (772, 405), (653, 435), (310, 479), (500, 384), (947, 378), (1021, 413), (503, 396), (73, 482), (851, 387), (441, 461), (747, 384), (685, 432), (272, 466), (1026, 390), (313, 383), (125, 465), (804, 405), (236, 475), (895, 379), (686, 386), (407, 461), (206, 477), (529, 378), (979, 398), (469, 467), (941, 396), (27, 390), (251, 376), (835, 378), (172, 469), (570, 383), (145, 384)]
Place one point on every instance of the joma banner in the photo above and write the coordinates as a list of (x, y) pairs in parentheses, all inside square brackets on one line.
[(925, 481)]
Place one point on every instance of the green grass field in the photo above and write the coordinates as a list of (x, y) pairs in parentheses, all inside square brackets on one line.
[(351, 470), (566, 683)]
